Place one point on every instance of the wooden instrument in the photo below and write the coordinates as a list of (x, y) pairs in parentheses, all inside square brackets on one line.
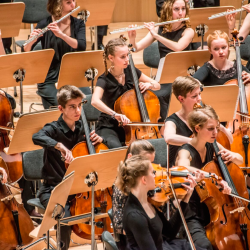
[(229, 217), (82, 202), (139, 107)]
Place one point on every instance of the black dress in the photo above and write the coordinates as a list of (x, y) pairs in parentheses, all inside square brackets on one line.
[(164, 93), (156, 233), (107, 127), (47, 89), (181, 129), (197, 214), (210, 76)]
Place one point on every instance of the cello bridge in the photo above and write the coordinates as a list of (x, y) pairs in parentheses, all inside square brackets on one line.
[(244, 125), (239, 210)]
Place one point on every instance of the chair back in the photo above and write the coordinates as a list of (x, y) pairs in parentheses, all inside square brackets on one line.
[(151, 55), (35, 10), (160, 151), (109, 241), (33, 164), (92, 114), (245, 49)]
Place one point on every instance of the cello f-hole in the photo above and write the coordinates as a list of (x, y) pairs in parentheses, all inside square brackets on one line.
[(86, 197), (223, 210), (153, 128), (235, 120)]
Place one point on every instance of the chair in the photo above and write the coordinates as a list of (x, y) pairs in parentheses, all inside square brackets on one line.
[(92, 114), (160, 151), (109, 241), (245, 51), (151, 56), (32, 171)]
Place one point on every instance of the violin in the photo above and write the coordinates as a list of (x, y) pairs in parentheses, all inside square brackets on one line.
[(229, 216), (240, 126), (82, 202), (139, 107)]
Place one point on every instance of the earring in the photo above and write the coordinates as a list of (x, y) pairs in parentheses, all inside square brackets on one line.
[(112, 65)]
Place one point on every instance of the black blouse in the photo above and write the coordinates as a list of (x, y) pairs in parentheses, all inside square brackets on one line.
[(147, 233), (112, 91), (210, 76), (181, 129), (196, 208)]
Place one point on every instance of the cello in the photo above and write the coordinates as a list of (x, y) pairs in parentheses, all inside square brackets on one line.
[(229, 217), (82, 202), (139, 107)]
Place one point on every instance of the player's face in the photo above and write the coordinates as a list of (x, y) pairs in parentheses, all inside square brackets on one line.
[(120, 58), (72, 110), (219, 49), (209, 131), (179, 9), (192, 98), (68, 6)]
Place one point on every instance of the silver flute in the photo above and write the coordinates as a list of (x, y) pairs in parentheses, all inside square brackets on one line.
[(225, 13), (143, 26), (46, 28)]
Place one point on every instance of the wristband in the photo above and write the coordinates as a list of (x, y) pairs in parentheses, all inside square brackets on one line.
[(113, 115)]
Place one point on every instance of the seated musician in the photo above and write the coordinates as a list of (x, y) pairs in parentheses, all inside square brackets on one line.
[(112, 84), (194, 155), (145, 226), (58, 138), (170, 37), (177, 131), (219, 69), (65, 36)]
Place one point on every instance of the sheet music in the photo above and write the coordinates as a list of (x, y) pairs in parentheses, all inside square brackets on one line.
[(160, 67)]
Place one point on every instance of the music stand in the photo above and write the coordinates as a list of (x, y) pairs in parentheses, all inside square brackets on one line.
[(11, 18), (25, 68), (27, 125), (224, 100), (199, 21), (177, 64), (97, 16), (93, 172), (87, 66)]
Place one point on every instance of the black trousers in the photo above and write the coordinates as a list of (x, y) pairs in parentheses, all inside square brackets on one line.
[(198, 234), (44, 196), (114, 137), (122, 243)]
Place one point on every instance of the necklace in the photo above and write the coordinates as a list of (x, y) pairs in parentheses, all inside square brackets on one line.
[(116, 76)]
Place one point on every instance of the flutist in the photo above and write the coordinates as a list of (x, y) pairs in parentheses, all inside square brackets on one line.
[(65, 36)]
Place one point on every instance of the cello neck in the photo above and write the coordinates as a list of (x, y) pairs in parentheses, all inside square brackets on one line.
[(91, 148), (140, 99)]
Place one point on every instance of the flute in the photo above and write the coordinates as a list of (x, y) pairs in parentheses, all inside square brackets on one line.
[(143, 26), (46, 28), (225, 13)]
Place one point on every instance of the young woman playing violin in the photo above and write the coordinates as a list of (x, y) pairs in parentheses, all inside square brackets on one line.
[(57, 138), (112, 84), (66, 36), (177, 131), (219, 69), (146, 228), (170, 37), (194, 155)]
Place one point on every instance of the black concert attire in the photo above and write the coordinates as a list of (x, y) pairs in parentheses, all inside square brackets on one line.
[(101, 32), (47, 90), (181, 129), (107, 127), (156, 233), (54, 168), (197, 215), (210, 76)]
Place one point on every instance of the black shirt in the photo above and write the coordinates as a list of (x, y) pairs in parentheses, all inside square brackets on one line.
[(112, 91), (145, 233), (210, 76), (52, 133), (196, 208), (181, 129)]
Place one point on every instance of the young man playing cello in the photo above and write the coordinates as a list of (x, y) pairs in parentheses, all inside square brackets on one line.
[(57, 138)]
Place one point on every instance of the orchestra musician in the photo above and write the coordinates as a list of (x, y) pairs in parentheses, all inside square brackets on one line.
[(65, 36), (177, 132), (171, 38), (58, 138), (194, 155), (145, 226), (112, 84)]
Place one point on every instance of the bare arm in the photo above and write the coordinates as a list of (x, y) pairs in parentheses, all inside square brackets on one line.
[(148, 83), (228, 155), (171, 137)]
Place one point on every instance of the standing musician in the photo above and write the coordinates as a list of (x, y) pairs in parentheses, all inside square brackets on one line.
[(219, 69), (57, 138), (177, 131), (170, 37), (145, 226), (194, 155), (65, 36), (112, 84)]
